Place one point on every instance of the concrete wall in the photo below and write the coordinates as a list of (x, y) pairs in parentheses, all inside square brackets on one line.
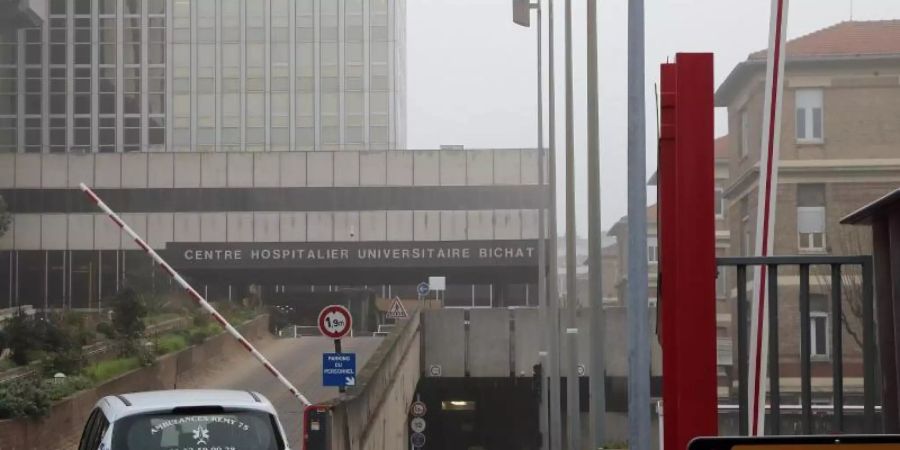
[(515, 337), (474, 167), (67, 417), (76, 227), (372, 416)]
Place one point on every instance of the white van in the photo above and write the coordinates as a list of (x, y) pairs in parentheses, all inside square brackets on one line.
[(184, 419)]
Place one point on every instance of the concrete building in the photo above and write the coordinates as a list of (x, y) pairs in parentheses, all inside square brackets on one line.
[(254, 142), (206, 75), (385, 220), (839, 149)]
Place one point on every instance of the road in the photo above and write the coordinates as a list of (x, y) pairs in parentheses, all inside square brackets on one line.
[(300, 360)]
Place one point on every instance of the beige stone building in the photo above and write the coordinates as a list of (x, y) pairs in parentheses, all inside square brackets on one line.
[(840, 149)]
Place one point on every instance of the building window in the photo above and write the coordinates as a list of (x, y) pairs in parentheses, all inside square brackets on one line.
[(744, 136), (809, 115), (811, 217), (721, 283), (652, 250), (818, 330), (720, 203)]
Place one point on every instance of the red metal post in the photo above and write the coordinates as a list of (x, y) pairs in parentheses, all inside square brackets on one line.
[(688, 252)]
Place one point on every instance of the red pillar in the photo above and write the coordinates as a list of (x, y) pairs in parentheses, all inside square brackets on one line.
[(688, 250)]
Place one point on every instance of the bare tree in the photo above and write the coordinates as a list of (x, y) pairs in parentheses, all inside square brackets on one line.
[(848, 241)]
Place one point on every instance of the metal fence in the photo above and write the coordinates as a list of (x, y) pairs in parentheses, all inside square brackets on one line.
[(837, 264)]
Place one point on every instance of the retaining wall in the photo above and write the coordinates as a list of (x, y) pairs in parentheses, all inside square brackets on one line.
[(67, 417)]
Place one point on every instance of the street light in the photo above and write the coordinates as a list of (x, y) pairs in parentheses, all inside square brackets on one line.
[(547, 289)]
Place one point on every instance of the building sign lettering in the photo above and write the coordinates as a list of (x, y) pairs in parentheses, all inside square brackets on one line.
[(352, 254)]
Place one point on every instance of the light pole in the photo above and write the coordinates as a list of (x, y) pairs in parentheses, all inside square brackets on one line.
[(595, 242), (549, 310), (638, 341)]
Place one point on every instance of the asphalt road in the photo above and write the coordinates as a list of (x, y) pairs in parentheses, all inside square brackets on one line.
[(300, 360)]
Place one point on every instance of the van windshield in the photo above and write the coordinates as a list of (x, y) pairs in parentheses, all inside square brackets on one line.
[(242, 430)]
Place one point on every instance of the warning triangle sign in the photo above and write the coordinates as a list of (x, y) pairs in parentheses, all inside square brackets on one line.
[(397, 310)]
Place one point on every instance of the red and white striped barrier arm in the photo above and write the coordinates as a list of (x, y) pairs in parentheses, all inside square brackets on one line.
[(195, 295), (765, 217)]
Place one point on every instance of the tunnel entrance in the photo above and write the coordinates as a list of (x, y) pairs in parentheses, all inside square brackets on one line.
[(480, 413)]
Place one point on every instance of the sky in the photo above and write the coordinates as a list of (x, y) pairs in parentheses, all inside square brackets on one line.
[(471, 73)]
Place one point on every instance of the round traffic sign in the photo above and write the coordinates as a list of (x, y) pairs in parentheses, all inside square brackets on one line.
[(335, 321), (581, 370), (418, 440), (417, 425), (418, 408), (423, 288)]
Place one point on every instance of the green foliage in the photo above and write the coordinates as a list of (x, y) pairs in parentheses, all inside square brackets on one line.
[(21, 336), (59, 388), (170, 344), (199, 334), (67, 361), (32, 397), (128, 314), (104, 370), (24, 398), (105, 329), (5, 218)]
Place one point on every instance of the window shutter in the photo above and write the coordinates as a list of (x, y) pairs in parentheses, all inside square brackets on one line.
[(811, 219)]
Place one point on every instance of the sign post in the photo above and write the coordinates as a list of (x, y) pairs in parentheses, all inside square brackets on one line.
[(422, 289), (335, 322), (397, 311)]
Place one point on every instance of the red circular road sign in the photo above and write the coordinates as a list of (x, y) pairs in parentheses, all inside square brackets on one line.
[(335, 321)]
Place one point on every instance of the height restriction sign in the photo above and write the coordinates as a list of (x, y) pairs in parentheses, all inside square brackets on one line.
[(335, 321)]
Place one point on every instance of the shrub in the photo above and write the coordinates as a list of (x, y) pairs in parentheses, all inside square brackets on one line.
[(106, 330), (111, 368), (67, 361), (59, 388), (171, 343), (128, 314), (22, 337), (24, 398)]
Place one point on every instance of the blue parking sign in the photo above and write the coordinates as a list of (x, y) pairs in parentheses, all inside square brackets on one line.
[(339, 369)]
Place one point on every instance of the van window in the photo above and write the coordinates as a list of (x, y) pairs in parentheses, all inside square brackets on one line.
[(240, 430), (94, 430)]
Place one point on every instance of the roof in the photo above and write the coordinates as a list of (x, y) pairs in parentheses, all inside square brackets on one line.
[(141, 402), (851, 42), (651, 218), (722, 147), (874, 210), (851, 38)]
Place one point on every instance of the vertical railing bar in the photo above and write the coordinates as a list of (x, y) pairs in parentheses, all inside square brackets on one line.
[(869, 355), (805, 350), (743, 357), (774, 383), (837, 348)]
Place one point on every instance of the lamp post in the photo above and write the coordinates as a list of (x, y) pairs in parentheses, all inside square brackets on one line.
[(548, 292)]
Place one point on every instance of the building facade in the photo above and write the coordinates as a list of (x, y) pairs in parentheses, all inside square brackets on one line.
[(307, 221), (205, 75), (840, 148)]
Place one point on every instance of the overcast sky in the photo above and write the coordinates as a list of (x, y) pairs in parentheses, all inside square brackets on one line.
[(472, 72)]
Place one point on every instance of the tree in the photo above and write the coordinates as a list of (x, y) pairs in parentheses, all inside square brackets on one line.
[(850, 242), (5, 218), (21, 337), (129, 312)]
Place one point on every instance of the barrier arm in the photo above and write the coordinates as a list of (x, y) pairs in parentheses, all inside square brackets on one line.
[(195, 295)]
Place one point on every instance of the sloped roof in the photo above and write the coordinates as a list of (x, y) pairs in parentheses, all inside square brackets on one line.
[(851, 38), (851, 42)]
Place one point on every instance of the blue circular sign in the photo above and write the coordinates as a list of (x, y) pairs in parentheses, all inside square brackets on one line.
[(423, 288), (418, 440)]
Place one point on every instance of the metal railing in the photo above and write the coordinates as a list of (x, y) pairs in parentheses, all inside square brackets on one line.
[(806, 407)]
